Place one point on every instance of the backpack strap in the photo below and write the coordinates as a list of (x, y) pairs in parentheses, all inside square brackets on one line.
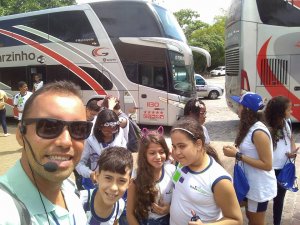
[(23, 211), (117, 213)]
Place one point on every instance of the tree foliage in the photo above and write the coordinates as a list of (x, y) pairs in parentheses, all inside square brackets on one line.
[(9, 7), (203, 35)]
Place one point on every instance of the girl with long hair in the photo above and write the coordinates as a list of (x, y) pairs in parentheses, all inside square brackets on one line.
[(254, 152), (277, 116), (203, 190), (106, 133), (149, 195)]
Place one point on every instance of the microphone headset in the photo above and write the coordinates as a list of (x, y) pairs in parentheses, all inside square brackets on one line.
[(49, 166)]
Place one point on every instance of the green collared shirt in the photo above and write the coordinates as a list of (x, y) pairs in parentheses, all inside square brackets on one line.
[(19, 183)]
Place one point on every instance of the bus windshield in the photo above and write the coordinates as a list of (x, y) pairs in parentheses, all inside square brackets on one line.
[(182, 75), (170, 24)]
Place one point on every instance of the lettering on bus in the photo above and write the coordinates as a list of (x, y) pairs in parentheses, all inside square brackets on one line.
[(153, 114), (153, 104), (22, 56)]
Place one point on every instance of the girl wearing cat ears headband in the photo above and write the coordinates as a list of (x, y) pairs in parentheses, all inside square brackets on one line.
[(149, 195)]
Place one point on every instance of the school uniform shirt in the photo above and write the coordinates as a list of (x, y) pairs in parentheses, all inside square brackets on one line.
[(19, 102), (38, 85), (283, 147), (92, 151), (87, 198), (19, 183), (263, 184), (195, 191), (165, 187), (206, 135)]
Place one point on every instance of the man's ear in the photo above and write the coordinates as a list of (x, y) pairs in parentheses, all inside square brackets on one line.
[(19, 136)]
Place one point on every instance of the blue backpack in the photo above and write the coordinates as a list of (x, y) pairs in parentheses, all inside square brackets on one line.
[(240, 182), (287, 176)]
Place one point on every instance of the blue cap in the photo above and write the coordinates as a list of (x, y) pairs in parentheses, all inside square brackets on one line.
[(250, 100)]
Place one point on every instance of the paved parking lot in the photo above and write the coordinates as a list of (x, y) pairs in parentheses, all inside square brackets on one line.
[(221, 124)]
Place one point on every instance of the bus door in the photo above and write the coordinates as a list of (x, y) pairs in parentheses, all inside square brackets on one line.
[(295, 86), (31, 71), (153, 94)]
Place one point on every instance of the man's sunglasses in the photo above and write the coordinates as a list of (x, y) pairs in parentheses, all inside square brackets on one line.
[(49, 128)]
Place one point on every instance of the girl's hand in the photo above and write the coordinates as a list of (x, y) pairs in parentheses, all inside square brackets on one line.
[(161, 209), (195, 220), (229, 151), (292, 154)]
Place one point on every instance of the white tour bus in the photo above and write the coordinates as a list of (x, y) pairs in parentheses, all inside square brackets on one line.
[(262, 48), (134, 50)]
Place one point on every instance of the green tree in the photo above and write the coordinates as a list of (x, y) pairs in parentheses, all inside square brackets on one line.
[(200, 34), (9, 7)]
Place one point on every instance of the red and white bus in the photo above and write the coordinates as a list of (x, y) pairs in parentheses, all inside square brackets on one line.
[(134, 50), (262, 50)]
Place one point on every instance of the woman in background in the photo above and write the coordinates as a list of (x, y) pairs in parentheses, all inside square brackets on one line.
[(277, 115)]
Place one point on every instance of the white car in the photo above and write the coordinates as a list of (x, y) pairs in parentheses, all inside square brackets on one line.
[(219, 71), (206, 90)]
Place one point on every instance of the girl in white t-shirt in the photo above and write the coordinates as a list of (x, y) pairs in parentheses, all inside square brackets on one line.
[(277, 114), (149, 195), (203, 191), (254, 151)]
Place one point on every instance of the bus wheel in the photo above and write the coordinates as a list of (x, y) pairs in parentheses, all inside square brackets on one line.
[(213, 95)]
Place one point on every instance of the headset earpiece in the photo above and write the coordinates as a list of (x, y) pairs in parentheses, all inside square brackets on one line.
[(22, 129)]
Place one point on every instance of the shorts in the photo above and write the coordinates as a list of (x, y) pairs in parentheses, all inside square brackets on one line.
[(253, 206)]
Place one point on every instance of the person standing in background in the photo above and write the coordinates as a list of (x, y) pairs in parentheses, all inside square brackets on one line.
[(253, 150), (21, 98), (277, 116), (38, 82), (3, 99)]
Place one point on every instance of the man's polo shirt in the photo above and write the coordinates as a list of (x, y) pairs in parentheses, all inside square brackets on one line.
[(19, 183)]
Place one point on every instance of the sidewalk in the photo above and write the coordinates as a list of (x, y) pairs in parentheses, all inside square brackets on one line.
[(10, 152)]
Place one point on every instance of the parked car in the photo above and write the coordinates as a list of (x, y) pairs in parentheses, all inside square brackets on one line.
[(219, 71), (206, 90)]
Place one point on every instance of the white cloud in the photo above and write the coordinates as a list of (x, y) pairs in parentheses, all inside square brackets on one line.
[(207, 9)]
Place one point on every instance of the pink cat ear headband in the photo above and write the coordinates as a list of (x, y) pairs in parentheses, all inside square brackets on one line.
[(146, 132)]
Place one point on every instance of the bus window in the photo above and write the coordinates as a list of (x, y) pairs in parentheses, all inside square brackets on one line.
[(126, 23), (11, 76), (37, 22), (131, 71), (170, 24), (279, 13), (74, 28)]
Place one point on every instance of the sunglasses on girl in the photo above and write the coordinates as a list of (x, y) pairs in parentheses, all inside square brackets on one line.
[(49, 128)]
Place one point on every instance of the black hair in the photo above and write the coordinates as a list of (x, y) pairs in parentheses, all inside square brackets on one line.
[(192, 107), (116, 159), (275, 116), (105, 115), (21, 84), (93, 106)]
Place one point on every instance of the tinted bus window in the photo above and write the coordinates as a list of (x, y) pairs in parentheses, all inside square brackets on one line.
[(10, 76), (131, 71), (127, 19), (170, 24), (279, 13), (72, 26), (38, 22)]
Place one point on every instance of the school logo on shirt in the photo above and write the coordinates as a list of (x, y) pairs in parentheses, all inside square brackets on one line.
[(198, 189)]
